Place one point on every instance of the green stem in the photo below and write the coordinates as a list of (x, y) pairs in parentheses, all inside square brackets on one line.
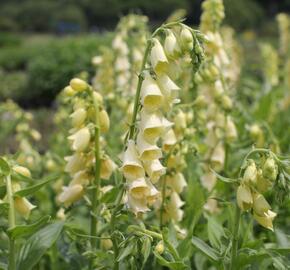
[(96, 181), (162, 201), (235, 237), (12, 223)]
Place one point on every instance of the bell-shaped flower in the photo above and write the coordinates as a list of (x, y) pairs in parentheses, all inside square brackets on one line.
[(169, 139), (218, 157), (154, 169), (266, 220), (263, 184), (146, 150), (104, 121), (154, 194), (230, 130), (80, 140), (107, 168), (244, 197), (208, 180), (23, 206), (173, 207), (168, 87), (80, 178), (176, 182), (71, 194), (151, 96), (139, 188), (158, 58), (186, 39), (153, 125), (78, 117), (171, 46), (132, 167), (260, 205), (75, 163), (137, 205), (22, 170)]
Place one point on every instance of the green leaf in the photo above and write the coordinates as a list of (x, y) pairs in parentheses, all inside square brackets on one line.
[(225, 179), (205, 248), (4, 207), (146, 249), (215, 233), (32, 189), (36, 246), (126, 251), (171, 265), (4, 167), (110, 196), (21, 178), (2, 191), (27, 230)]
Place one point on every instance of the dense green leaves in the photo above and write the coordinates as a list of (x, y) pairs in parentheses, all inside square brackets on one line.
[(205, 248)]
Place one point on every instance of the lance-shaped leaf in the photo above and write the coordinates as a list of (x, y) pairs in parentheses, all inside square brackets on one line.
[(225, 179), (36, 246), (205, 248), (4, 167), (27, 230), (32, 189)]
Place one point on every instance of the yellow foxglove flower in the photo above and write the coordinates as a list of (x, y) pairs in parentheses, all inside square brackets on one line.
[(122, 64), (158, 58), (78, 85), (266, 220), (250, 174), (218, 157), (263, 184), (71, 194), (151, 96), (153, 125), (69, 91), (154, 169), (260, 205), (146, 150), (132, 167), (80, 178), (173, 207), (98, 97), (176, 182), (154, 194), (75, 163), (80, 139), (23, 206), (107, 168), (208, 180), (104, 121), (270, 170), (171, 46), (231, 131), (169, 139), (22, 170), (139, 188), (244, 197), (137, 206), (168, 87), (78, 117)]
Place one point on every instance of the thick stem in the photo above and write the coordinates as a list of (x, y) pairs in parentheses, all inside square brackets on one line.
[(96, 181), (235, 237), (12, 223)]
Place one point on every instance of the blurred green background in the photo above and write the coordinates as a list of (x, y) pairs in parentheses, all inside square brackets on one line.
[(44, 43)]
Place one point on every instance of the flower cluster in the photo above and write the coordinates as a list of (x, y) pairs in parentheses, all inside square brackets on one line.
[(257, 180), (80, 165), (284, 27), (141, 161)]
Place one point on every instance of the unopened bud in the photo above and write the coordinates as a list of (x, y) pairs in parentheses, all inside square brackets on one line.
[(159, 247), (78, 85)]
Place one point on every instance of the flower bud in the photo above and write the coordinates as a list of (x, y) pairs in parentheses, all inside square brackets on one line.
[(78, 85), (250, 174), (104, 121), (226, 102), (22, 170), (208, 180), (23, 206), (98, 97), (218, 157), (75, 163), (80, 139), (78, 117), (218, 89), (35, 134), (186, 39), (106, 244), (69, 91), (180, 120), (176, 182), (263, 184), (107, 168), (61, 214), (244, 197), (158, 58), (171, 46), (270, 170), (230, 130), (71, 194), (169, 139), (159, 248)]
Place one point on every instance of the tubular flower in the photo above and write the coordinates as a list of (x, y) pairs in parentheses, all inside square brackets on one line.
[(81, 163), (244, 197)]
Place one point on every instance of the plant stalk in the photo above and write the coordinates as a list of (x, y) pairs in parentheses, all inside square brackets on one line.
[(96, 181), (235, 237), (12, 223)]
